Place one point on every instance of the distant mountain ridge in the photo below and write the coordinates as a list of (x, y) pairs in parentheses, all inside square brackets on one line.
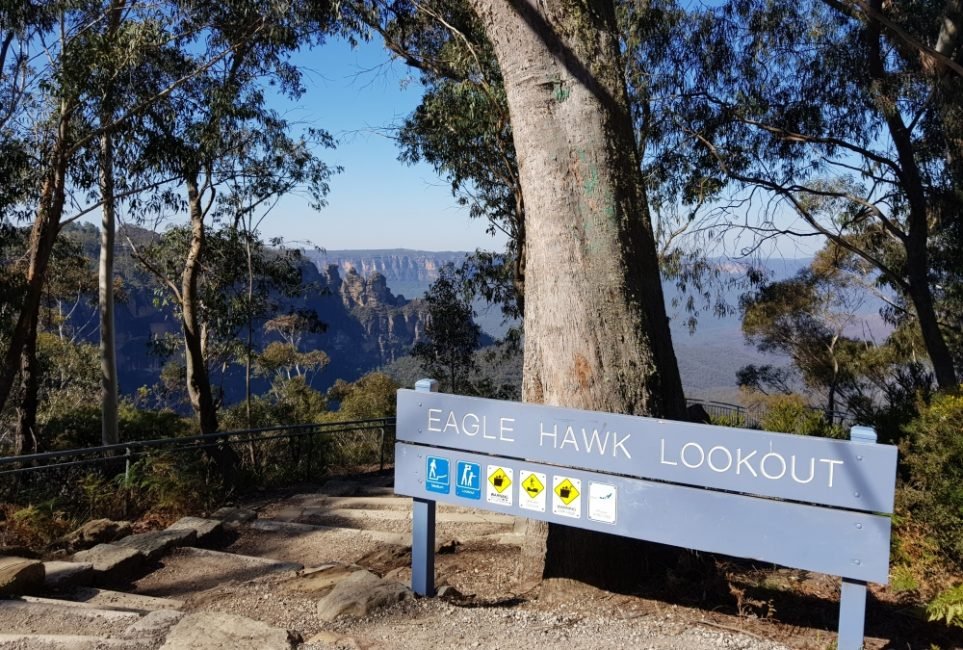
[(403, 269), (708, 358)]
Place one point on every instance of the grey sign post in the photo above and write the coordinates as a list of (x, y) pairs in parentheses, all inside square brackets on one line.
[(809, 503)]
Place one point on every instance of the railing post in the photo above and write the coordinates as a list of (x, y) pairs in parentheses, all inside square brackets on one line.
[(382, 452), (126, 480), (423, 529), (852, 595)]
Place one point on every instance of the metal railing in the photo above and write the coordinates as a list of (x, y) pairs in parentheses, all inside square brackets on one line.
[(752, 418), (252, 458), (136, 448)]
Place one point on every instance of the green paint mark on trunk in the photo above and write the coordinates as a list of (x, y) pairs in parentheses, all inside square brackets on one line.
[(560, 92)]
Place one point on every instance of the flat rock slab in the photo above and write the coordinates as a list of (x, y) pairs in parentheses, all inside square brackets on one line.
[(67, 575), (207, 532), (51, 617), (155, 624), (20, 576), (97, 531), (319, 581), (65, 642), (123, 601), (294, 528), (112, 563), (359, 594), (234, 515), (213, 631), (189, 570), (157, 542)]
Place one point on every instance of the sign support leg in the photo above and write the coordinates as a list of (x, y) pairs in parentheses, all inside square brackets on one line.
[(423, 529), (423, 548), (852, 614)]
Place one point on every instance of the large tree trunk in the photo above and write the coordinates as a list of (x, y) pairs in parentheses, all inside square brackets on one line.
[(198, 382), (596, 331)]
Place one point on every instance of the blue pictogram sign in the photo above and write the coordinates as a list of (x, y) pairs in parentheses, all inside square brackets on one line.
[(437, 475), (469, 480)]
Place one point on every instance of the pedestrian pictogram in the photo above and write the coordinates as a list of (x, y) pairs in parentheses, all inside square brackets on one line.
[(567, 497), (468, 480), (437, 478)]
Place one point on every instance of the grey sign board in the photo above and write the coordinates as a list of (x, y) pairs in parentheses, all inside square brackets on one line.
[(814, 470), (838, 542)]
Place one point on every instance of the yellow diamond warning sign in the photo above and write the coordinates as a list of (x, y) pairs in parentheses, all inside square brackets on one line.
[(533, 487), (567, 497), (567, 492), (499, 488), (499, 480), (531, 495)]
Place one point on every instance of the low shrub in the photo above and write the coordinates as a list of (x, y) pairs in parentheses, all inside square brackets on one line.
[(931, 494), (790, 414), (947, 607)]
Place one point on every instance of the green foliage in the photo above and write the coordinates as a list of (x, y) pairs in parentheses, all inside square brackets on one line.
[(791, 414), (947, 607), (372, 396), (451, 336), (737, 420), (932, 456), (902, 579), (171, 482), (39, 524)]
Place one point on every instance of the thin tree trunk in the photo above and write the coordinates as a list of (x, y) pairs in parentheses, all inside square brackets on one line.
[(105, 285), (43, 235), (198, 383), (596, 331), (29, 441), (105, 296), (917, 256)]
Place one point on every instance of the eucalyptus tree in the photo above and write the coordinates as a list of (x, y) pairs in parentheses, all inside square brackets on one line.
[(57, 59), (838, 120), (451, 335), (811, 318), (216, 130), (596, 332)]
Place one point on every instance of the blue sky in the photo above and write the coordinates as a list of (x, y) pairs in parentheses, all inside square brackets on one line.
[(377, 201)]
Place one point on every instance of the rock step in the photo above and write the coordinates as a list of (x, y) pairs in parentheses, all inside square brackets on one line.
[(215, 631), (207, 532), (261, 562), (295, 528), (123, 601), (188, 571), (444, 516), (378, 502), (156, 543), (65, 618), (70, 642), (112, 564), (67, 575), (20, 576)]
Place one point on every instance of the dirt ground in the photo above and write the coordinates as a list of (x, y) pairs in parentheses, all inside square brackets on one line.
[(733, 605)]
